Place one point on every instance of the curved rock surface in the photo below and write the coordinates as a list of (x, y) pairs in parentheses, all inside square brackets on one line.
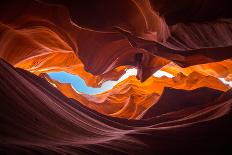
[(131, 98), (37, 119), (145, 41), (99, 41)]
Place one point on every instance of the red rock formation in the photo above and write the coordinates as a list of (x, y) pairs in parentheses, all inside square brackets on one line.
[(99, 40), (36, 48), (220, 69), (116, 50), (131, 98), (37, 118)]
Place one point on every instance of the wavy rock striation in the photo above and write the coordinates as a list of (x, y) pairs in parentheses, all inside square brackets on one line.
[(98, 41), (131, 98), (37, 119), (145, 41)]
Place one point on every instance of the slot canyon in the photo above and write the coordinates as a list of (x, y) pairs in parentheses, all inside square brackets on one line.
[(115, 77)]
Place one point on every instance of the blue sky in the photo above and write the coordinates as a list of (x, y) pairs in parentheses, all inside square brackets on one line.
[(80, 85)]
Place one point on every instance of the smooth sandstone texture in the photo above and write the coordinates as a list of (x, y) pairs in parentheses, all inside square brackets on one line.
[(145, 41), (36, 118), (131, 98), (98, 41)]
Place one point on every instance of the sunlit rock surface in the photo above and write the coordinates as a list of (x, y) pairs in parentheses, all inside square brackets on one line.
[(37, 119), (130, 98), (99, 41), (117, 42)]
